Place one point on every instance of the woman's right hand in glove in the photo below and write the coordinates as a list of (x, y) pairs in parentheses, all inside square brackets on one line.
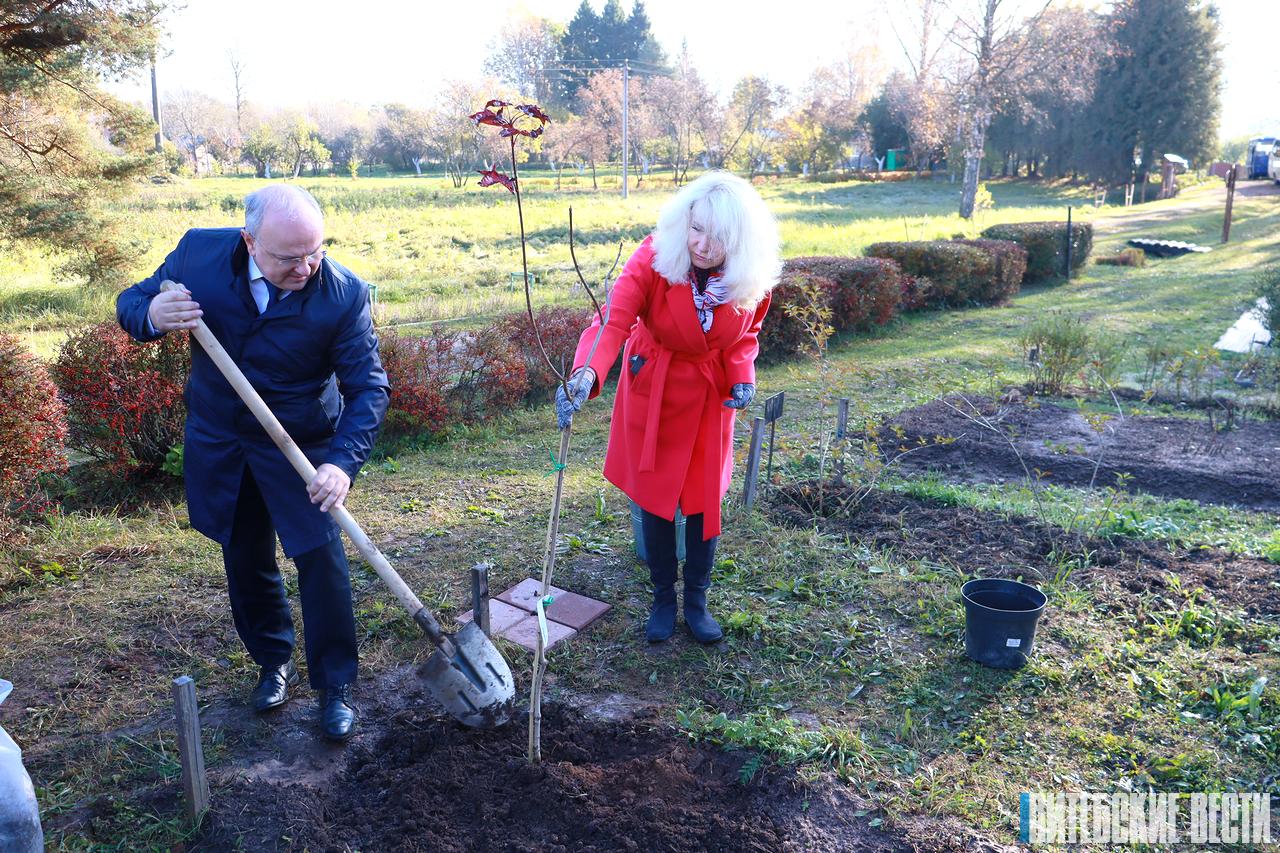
[(580, 385)]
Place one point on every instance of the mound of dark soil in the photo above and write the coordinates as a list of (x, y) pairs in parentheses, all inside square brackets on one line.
[(424, 783), (991, 544), (1171, 457)]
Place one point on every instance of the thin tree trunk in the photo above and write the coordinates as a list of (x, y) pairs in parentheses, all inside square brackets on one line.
[(973, 158)]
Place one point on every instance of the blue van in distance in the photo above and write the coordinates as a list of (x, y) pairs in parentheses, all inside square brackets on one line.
[(1260, 148)]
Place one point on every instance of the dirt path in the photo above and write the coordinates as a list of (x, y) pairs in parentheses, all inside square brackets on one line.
[(1194, 200)]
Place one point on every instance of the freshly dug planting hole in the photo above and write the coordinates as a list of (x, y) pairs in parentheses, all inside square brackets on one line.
[(425, 783)]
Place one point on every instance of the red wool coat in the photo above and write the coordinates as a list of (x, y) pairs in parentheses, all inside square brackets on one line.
[(671, 439)]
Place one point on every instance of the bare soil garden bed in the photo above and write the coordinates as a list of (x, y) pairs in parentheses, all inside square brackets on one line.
[(991, 544), (413, 780), (1170, 457)]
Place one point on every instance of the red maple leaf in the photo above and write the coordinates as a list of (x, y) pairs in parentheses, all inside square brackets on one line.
[(534, 111), (497, 114), (489, 177), (488, 116)]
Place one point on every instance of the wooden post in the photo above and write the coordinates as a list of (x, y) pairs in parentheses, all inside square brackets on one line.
[(480, 596), (842, 425), (1231, 194), (753, 462), (187, 719)]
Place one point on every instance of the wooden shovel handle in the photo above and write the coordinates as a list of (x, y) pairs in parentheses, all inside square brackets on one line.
[(307, 471)]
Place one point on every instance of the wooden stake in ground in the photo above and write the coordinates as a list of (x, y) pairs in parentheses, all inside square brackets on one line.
[(480, 596), (842, 427), (1231, 194), (187, 719), (753, 462)]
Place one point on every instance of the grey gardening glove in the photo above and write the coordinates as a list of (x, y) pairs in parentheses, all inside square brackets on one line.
[(741, 395), (580, 385)]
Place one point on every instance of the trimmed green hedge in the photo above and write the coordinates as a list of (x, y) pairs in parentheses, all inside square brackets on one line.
[(1011, 266), (860, 292), (867, 289), (1046, 245), (956, 274)]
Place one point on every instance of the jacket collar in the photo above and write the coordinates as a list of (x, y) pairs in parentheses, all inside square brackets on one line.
[(283, 308)]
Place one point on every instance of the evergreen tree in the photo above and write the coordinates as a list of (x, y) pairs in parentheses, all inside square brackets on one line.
[(642, 46), (613, 46), (593, 42), (54, 115), (581, 47), (884, 125), (1159, 93)]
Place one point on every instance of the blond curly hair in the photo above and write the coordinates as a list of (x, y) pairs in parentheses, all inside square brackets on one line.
[(737, 217)]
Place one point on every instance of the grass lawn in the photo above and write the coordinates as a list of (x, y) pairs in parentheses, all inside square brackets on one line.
[(839, 656)]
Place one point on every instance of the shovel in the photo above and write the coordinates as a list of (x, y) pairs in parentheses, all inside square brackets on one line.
[(466, 673)]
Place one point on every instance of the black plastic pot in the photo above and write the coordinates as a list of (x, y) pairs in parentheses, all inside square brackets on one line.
[(1000, 619)]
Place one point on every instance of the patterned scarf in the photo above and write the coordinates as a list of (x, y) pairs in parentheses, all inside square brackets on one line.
[(705, 301)]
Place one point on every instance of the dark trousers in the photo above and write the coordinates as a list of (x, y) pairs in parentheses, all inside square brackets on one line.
[(260, 606), (660, 547)]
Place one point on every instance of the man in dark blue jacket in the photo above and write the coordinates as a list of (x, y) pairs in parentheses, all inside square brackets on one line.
[(298, 326)]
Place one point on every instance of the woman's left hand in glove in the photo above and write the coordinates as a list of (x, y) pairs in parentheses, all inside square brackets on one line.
[(741, 395)]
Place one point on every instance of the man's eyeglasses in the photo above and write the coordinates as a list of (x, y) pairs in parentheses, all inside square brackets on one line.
[(314, 258)]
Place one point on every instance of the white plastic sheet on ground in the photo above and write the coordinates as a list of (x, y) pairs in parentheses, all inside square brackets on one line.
[(1247, 333), (19, 813)]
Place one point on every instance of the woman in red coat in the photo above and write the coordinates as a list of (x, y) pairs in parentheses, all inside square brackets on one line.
[(688, 306)]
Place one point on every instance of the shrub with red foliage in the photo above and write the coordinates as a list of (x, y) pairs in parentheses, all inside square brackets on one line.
[(124, 399), (1011, 265), (417, 377), (958, 274), (867, 289), (32, 429), (861, 293), (561, 328), (490, 377), (915, 293), (784, 336), (445, 378)]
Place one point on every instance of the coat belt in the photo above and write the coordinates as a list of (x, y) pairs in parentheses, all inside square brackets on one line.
[(710, 368)]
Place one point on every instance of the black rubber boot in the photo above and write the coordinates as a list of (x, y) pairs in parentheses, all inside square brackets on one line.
[(660, 549), (662, 616), (699, 558)]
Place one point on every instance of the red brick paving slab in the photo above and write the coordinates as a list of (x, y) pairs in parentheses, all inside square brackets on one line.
[(526, 593), (501, 616), (576, 611), (525, 632)]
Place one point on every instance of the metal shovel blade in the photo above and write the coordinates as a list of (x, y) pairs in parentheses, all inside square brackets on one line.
[(474, 684)]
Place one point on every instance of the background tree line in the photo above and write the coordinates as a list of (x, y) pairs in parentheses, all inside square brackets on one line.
[(979, 87)]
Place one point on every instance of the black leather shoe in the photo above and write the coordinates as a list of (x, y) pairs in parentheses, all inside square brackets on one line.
[(273, 686), (337, 712)]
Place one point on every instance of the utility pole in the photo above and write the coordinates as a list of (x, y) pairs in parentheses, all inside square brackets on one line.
[(155, 107), (626, 76)]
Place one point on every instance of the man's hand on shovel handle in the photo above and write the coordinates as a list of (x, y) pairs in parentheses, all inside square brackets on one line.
[(173, 310), (329, 487)]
